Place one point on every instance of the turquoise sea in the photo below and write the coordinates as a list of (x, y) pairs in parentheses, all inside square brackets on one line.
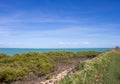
[(12, 51)]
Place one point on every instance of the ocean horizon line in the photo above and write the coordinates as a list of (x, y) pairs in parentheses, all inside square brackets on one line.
[(59, 48), (12, 51)]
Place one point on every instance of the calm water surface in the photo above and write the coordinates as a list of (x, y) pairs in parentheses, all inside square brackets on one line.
[(12, 51)]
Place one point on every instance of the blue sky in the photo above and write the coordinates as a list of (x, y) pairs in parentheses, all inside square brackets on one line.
[(59, 23)]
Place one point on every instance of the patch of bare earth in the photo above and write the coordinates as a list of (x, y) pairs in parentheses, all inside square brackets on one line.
[(116, 51)]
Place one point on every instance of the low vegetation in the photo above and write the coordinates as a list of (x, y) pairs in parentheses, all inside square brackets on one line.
[(19, 66), (101, 70), (112, 75)]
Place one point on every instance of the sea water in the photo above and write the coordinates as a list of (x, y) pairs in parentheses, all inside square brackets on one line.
[(12, 51)]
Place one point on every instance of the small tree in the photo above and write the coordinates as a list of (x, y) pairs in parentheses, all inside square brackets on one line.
[(117, 48)]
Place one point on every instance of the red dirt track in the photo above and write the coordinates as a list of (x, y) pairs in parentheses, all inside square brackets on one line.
[(116, 51)]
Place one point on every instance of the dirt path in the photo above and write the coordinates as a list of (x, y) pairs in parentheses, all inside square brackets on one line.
[(57, 77), (64, 68), (116, 51)]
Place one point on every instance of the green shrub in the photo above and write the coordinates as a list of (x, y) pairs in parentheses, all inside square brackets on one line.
[(2, 55), (20, 65), (8, 74)]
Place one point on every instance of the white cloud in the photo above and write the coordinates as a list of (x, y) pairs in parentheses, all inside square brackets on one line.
[(86, 43), (73, 43), (68, 43)]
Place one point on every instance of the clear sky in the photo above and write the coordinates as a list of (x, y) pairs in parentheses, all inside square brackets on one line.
[(59, 23)]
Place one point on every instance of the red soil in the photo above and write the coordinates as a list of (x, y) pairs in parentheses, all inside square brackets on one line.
[(116, 51)]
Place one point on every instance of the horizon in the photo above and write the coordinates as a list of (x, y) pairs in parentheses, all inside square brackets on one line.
[(62, 48), (13, 51), (59, 24)]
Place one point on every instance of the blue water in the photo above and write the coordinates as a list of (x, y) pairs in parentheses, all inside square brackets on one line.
[(12, 51)]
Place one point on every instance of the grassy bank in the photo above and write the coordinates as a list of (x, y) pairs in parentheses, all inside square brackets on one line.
[(112, 75), (19, 66), (104, 69)]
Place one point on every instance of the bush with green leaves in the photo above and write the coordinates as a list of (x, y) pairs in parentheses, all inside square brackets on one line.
[(18, 66)]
